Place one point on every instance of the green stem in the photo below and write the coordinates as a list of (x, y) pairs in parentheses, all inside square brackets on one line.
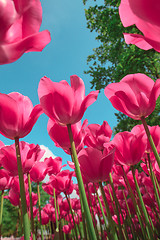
[(135, 204), (71, 210), (109, 216), (39, 207), (93, 216), (148, 227), (101, 207), (116, 209), (31, 207), (151, 140), (55, 207), (26, 226), (81, 187), (1, 212), (152, 175)]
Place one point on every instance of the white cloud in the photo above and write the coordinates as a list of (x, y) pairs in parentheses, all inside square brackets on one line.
[(47, 154)]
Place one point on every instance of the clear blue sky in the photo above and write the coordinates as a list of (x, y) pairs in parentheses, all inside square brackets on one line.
[(65, 55)]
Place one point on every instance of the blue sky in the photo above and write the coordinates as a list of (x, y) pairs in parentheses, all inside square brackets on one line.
[(64, 56)]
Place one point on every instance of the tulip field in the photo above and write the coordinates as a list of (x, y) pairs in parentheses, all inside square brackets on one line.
[(110, 188)]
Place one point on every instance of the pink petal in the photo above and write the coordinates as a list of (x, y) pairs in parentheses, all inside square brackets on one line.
[(11, 52), (32, 18), (78, 87), (126, 15), (147, 10), (137, 40)]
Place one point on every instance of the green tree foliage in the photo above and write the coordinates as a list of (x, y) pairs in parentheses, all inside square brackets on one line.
[(113, 58)]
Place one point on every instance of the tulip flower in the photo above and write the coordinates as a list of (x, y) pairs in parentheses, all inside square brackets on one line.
[(5, 180), (20, 24), (38, 172), (30, 153), (135, 95), (64, 103), (97, 135), (145, 15), (18, 115), (59, 135), (130, 148), (54, 165), (62, 182), (95, 165)]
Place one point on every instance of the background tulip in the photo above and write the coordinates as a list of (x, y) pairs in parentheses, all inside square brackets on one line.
[(130, 148), (95, 165), (59, 135), (97, 135), (19, 30), (30, 153)]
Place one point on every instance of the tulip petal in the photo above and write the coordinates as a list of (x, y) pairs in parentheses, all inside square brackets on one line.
[(11, 52)]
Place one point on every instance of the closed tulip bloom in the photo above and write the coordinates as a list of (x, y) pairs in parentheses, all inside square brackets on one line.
[(95, 165), (18, 115), (62, 182), (97, 135), (38, 172), (135, 95), (130, 148), (30, 153), (145, 15), (19, 29), (5, 180), (54, 165), (59, 135), (64, 103)]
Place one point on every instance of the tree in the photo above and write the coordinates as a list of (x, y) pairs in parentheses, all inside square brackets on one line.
[(114, 59)]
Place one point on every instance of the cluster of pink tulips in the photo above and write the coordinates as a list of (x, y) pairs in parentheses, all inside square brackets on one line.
[(117, 188)]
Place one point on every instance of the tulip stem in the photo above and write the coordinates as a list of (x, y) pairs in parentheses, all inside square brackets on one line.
[(1, 212), (152, 175), (151, 140), (39, 206), (109, 216), (116, 209), (26, 225), (71, 210), (89, 222), (148, 226), (31, 206), (55, 207)]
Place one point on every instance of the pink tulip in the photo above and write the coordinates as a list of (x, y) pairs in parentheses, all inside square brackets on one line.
[(5, 180), (54, 165), (145, 15), (95, 165), (44, 218), (18, 115), (135, 95), (66, 229), (19, 29), (97, 135), (155, 133), (62, 182), (64, 103), (38, 171), (59, 135), (14, 192), (30, 153), (130, 148)]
